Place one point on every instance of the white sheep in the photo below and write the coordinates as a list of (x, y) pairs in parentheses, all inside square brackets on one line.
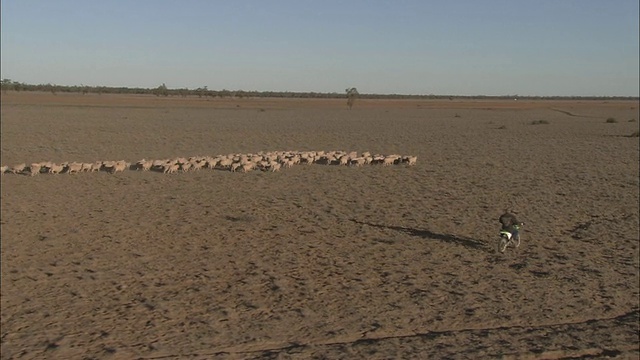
[(86, 167), (73, 168), (198, 164), (55, 168), (235, 166), (185, 167), (307, 158), (96, 166), (144, 165), (4, 169), (211, 163), (225, 163), (410, 160), (113, 167), (274, 166), (171, 168), (388, 161), (359, 161), (286, 163), (18, 169), (34, 169), (120, 166), (248, 167)]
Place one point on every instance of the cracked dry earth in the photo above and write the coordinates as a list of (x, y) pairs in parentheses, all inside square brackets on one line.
[(321, 262)]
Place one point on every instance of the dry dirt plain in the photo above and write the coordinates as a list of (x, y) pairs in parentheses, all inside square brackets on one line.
[(317, 261)]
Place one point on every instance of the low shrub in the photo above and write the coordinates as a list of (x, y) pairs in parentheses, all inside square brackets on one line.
[(611, 120), (539, 122)]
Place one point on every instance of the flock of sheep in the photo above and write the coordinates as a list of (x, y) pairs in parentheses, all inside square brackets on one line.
[(265, 161)]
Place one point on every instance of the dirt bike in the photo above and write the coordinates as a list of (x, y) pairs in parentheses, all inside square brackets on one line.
[(507, 239)]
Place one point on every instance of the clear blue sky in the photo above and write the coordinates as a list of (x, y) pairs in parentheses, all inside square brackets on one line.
[(456, 47)]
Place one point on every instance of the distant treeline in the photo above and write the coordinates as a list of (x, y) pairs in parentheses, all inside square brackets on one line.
[(162, 90)]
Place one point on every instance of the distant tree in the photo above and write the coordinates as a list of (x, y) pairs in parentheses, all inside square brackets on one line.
[(7, 84), (352, 95), (202, 91), (52, 88), (162, 90)]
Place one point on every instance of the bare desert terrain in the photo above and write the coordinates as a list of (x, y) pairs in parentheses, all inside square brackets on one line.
[(320, 261)]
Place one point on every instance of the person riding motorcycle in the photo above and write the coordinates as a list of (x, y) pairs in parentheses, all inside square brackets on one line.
[(510, 225)]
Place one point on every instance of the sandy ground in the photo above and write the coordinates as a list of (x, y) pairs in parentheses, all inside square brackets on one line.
[(320, 261)]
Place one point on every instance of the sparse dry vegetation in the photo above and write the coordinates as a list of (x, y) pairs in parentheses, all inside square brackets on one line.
[(539, 122)]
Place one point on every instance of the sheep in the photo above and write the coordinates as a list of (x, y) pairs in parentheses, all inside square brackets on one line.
[(270, 157), (211, 163), (18, 169), (96, 166), (377, 159), (171, 168), (185, 167), (225, 163), (307, 158), (108, 165), (235, 166), (159, 165), (73, 168), (359, 161), (144, 165), (326, 159), (344, 160), (262, 165), (198, 164), (295, 159), (248, 167), (4, 169), (244, 159), (389, 160), (410, 160), (274, 166), (119, 166), (86, 167), (286, 163), (55, 169), (34, 169), (256, 159), (113, 167)]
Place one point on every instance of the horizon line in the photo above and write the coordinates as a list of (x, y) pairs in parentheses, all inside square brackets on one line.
[(8, 84)]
